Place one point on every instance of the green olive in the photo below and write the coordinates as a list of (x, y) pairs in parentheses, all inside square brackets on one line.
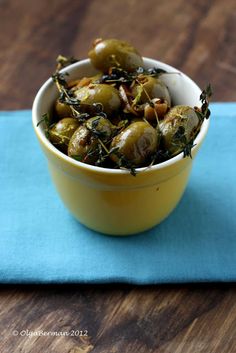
[(104, 94), (179, 127), (62, 110), (83, 146), (135, 144), (100, 127), (149, 88), (114, 53), (62, 131)]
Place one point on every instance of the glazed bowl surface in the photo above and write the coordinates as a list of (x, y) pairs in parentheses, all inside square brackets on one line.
[(112, 201)]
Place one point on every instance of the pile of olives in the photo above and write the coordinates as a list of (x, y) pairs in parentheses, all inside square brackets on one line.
[(123, 117)]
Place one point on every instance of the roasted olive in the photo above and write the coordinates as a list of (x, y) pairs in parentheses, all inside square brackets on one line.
[(83, 145), (114, 53), (149, 87), (121, 117), (62, 131), (106, 95), (179, 128), (100, 127), (62, 110), (135, 144)]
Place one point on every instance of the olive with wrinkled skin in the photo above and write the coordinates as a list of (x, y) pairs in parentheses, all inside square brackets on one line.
[(62, 131), (100, 127), (135, 144), (83, 146), (178, 128), (114, 53), (150, 88), (105, 94), (62, 110)]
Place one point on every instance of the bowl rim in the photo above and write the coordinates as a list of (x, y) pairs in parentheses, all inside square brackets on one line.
[(44, 140)]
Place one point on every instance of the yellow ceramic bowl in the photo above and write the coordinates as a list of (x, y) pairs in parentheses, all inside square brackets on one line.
[(113, 201)]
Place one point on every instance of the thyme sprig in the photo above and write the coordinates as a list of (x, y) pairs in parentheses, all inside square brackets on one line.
[(123, 81), (188, 149), (205, 97), (65, 96), (45, 119), (179, 139), (204, 112), (122, 162), (119, 75), (80, 110), (149, 102), (63, 61)]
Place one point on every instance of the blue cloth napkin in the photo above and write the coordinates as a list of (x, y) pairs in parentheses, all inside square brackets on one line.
[(40, 242)]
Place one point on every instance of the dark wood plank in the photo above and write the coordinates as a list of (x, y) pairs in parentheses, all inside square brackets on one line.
[(197, 37), (120, 318)]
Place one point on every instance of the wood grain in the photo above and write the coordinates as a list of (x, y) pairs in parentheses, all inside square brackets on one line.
[(197, 37), (120, 318)]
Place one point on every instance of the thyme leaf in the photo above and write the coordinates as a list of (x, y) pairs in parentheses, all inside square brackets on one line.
[(161, 156), (118, 75), (79, 110), (179, 136), (122, 162), (205, 98), (188, 149), (63, 61), (60, 79), (76, 157), (202, 113), (46, 120)]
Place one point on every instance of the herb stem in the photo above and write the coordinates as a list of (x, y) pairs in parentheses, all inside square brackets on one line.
[(61, 89), (150, 101), (103, 146)]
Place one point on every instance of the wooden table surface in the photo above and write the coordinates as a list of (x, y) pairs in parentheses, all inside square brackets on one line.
[(197, 37)]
